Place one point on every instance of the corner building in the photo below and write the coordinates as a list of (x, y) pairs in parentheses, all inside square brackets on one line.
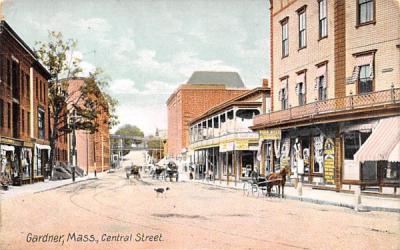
[(335, 94)]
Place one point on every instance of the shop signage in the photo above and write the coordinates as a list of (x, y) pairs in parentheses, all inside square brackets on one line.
[(241, 145), (226, 146), (270, 134), (329, 161)]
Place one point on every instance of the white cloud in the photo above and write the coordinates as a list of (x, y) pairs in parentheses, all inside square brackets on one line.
[(86, 67), (93, 24), (123, 86)]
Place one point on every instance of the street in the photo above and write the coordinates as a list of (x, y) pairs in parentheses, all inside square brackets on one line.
[(116, 213)]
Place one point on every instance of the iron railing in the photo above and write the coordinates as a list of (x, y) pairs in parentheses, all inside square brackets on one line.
[(352, 102)]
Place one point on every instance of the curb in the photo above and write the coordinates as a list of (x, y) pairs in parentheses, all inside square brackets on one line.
[(323, 202), (64, 185)]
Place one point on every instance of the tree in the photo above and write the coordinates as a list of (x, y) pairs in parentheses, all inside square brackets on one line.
[(57, 56), (128, 130)]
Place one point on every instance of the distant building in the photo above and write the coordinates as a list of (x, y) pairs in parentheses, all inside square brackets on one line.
[(335, 69), (222, 145), (93, 150), (203, 90), (24, 116)]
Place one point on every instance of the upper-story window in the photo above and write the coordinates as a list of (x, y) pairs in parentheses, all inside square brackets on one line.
[(285, 37), (363, 73), (283, 93), (302, 28), (365, 79), (1, 113), (323, 20), (321, 82), (365, 11), (301, 88), (41, 123)]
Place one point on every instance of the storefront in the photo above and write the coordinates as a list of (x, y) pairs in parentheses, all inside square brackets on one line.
[(15, 161), (41, 168), (308, 153)]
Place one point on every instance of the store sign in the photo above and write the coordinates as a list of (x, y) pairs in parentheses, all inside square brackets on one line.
[(242, 145), (271, 134), (226, 146), (329, 161)]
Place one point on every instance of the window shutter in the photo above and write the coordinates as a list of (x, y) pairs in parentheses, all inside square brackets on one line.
[(354, 76), (297, 88)]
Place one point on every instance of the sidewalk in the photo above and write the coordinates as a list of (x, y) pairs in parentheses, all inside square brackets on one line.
[(38, 187), (326, 197)]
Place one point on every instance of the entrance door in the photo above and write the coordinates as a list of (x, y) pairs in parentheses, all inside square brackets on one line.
[(268, 155)]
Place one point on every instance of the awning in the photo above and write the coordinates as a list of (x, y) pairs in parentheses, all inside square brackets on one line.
[(7, 147), (382, 141), (395, 154)]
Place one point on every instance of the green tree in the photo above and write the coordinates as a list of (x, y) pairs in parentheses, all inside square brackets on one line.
[(128, 130), (56, 55)]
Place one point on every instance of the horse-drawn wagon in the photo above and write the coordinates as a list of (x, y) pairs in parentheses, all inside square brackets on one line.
[(134, 171)]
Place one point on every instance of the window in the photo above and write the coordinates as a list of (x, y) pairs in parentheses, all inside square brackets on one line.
[(365, 79), (22, 83), (41, 123), (302, 96), (284, 101), (365, 10), (321, 89), (8, 72), (40, 90), (27, 85), (302, 28), (323, 21), (9, 115), (285, 37), (1, 113), (29, 122), (23, 120), (37, 88), (353, 142)]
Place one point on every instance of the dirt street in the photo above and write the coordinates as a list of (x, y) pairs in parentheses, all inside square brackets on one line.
[(116, 213)]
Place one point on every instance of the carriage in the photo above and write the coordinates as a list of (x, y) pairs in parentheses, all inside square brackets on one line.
[(263, 185), (171, 172), (134, 171)]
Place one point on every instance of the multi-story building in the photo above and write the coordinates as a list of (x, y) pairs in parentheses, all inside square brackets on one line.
[(222, 145), (93, 150), (203, 90), (335, 70), (24, 117)]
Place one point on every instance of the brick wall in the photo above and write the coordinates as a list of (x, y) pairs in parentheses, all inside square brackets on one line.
[(187, 102), (13, 55), (93, 150)]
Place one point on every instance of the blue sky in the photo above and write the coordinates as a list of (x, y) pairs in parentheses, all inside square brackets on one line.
[(149, 47)]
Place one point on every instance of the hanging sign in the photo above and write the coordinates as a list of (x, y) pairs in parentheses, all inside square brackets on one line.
[(270, 134)]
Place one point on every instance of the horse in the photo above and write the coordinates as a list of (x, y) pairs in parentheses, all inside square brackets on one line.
[(278, 179)]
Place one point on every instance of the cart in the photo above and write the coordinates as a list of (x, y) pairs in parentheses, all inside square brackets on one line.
[(134, 171)]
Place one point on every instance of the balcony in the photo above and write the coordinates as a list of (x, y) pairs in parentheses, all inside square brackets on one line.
[(349, 105)]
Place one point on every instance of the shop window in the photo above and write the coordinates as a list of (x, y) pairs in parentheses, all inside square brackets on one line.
[(365, 11), (391, 171), (365, 79), (323, 20), (353, 142), (318, 154), (26, 163), (37, 168)]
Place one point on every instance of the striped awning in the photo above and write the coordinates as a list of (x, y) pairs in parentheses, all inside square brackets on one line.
[(382, 141), (395, 154)]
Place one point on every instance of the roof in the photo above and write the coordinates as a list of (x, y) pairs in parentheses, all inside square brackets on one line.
[(239, 100), (229, 79), (5, 26)]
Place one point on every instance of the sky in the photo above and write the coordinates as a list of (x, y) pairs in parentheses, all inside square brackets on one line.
[(149, 47)]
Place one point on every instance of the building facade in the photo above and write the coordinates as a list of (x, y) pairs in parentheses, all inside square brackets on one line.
[(24, 116), (222, 146), (93, 150), (335, 69), (202, 91)]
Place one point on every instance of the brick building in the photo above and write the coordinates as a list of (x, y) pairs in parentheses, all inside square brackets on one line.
[(335, 69), (202, 91), (93, 150), (24, 117)]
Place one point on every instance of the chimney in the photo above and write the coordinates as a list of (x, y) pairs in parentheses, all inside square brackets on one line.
[(1, 10), (265, 83)]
